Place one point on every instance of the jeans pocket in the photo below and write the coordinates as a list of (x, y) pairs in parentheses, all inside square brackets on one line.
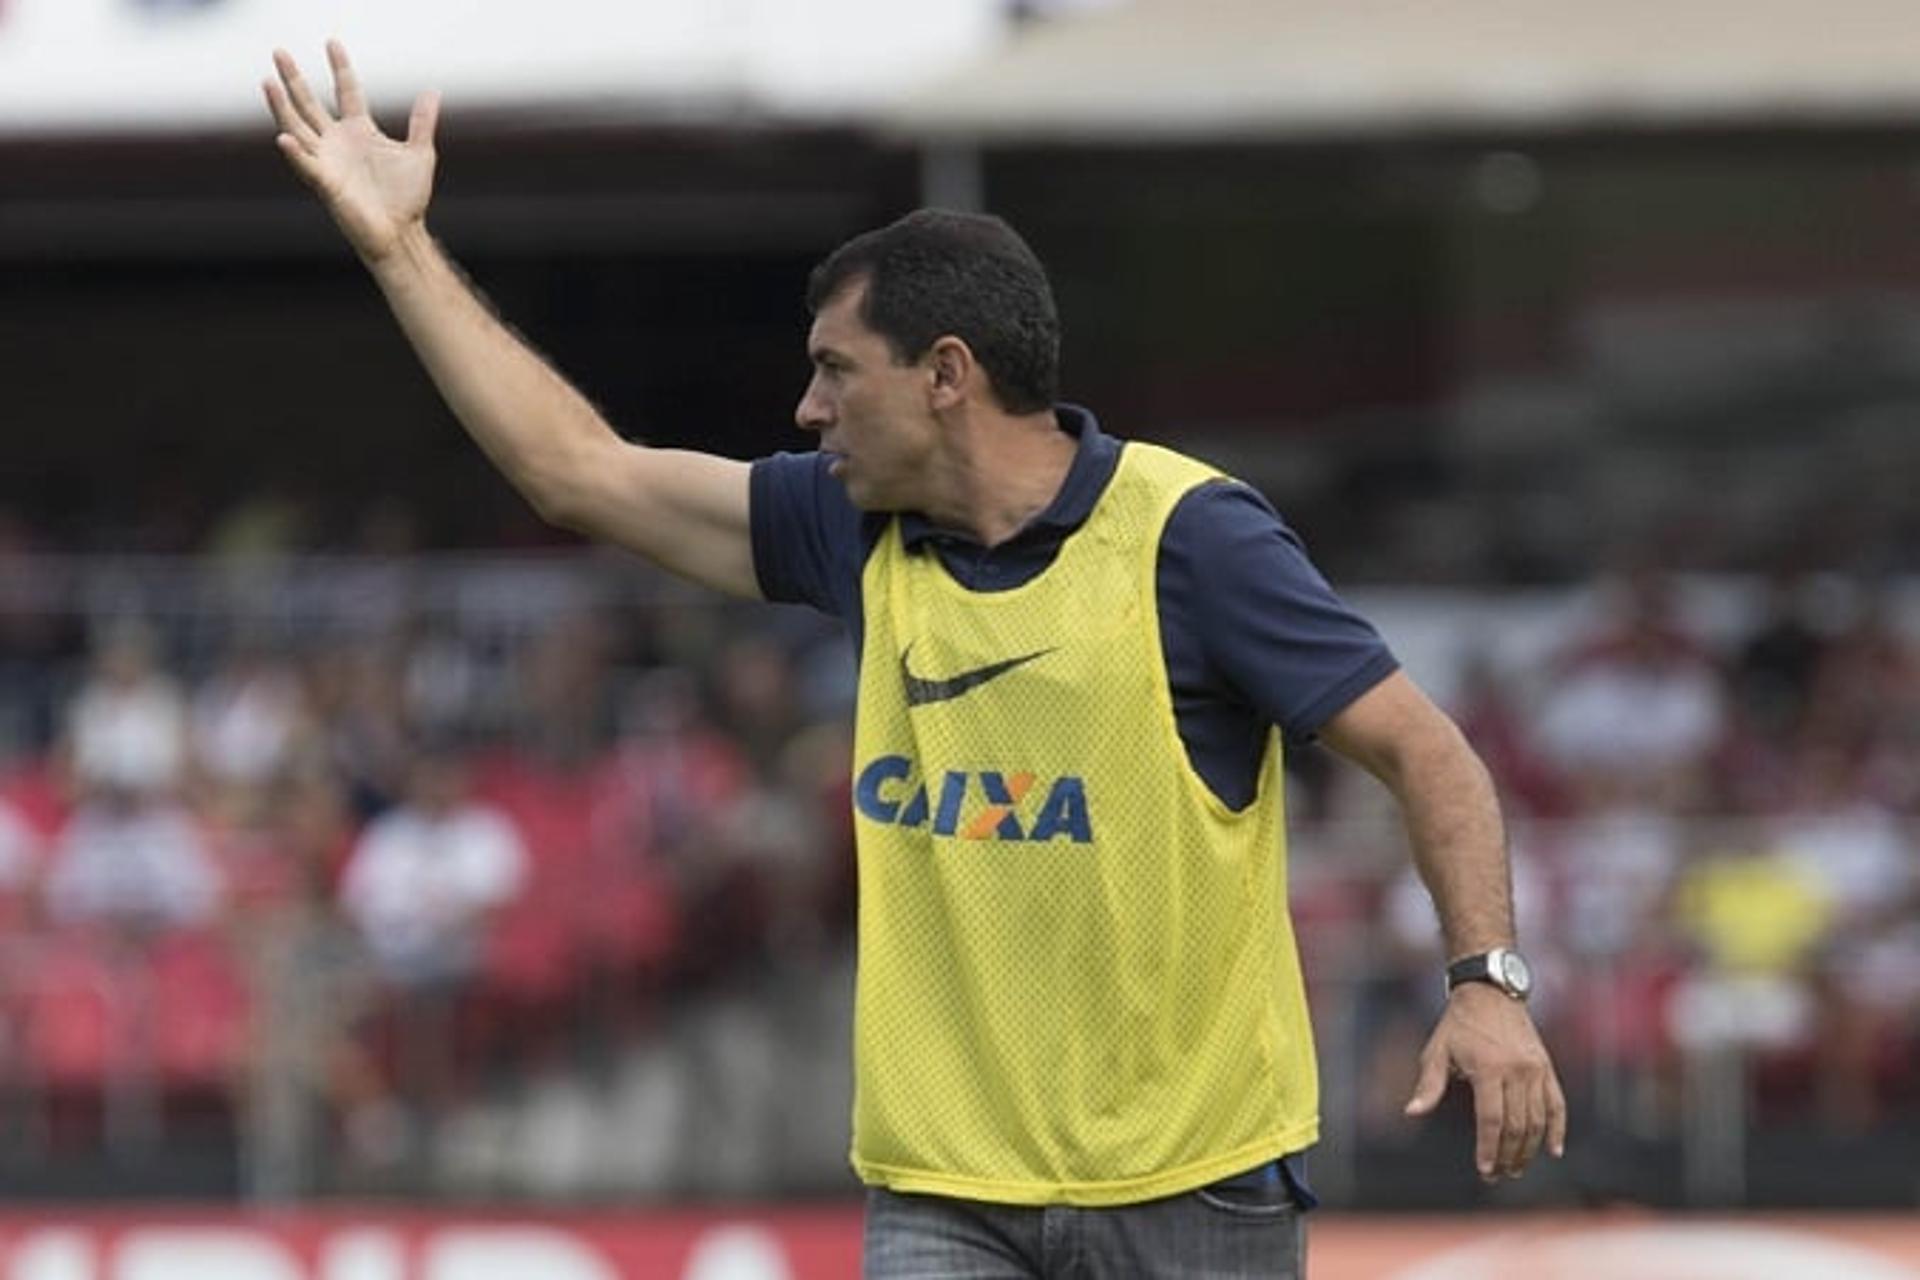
[(1263, 1203)]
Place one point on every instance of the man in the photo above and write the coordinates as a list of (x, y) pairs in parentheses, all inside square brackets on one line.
[(1082, 1046), (424, 882)]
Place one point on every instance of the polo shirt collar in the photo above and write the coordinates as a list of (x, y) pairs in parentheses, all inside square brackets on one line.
[(1095, 456)]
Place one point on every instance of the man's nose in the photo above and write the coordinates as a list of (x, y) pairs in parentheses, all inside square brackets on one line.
[(811, 413)]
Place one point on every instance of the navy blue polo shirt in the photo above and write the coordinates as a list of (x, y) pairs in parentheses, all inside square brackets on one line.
[(1252, 633)]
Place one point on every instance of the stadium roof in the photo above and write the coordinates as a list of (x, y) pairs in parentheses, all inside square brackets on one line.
[(1188, 69), (160, 66)]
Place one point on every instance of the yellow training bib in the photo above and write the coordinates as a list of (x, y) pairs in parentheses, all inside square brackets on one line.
[(1078, 981)]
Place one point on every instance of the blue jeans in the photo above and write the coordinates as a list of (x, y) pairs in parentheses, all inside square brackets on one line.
[(1235, 1230)]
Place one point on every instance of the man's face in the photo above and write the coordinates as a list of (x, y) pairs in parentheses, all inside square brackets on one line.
[(873, 414), (438, 783)]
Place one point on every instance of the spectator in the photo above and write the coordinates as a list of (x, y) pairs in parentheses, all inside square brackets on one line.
[(249, 720), (355, 691), (1867, 687), (1639, 704), (677, 775), (563, 690), (1619, 863), (422, 885), (1486, 713), (1775, 670), (1750, 909), (1757, 921), (1870, 1022), (127, 728), (313, 982), (134, 861), (425, 876), (755, 689), (670, 794), (1842, 839), (440, 680)]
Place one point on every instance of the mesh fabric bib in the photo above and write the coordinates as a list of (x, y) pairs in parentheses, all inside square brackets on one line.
[(1078, 980)]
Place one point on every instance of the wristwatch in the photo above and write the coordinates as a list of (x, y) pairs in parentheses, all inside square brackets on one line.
[(1503, 967)]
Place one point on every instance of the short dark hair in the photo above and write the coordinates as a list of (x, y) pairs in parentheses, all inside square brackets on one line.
[(936, 272)]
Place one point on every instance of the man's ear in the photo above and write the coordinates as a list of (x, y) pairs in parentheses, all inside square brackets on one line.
[(953, 367)]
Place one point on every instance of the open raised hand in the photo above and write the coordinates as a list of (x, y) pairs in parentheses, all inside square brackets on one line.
[(376, 187)]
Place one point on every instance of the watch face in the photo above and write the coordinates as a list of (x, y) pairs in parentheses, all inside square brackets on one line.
[(1515, 974)]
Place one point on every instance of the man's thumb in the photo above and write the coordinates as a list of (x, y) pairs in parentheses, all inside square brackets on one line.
[(426, 115), (1431, 1085)]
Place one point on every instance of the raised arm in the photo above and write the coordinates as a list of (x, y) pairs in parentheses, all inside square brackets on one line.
[(1459, 845), (685, 511)]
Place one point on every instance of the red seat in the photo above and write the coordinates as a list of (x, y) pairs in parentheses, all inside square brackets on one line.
[(74, 1014), (633, 921), (531, 952), (34, 790), (199, 1008), (536, 947)]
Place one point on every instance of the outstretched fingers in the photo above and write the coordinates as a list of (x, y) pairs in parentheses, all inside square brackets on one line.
[(346, 85), (291, 124), (299, 93)]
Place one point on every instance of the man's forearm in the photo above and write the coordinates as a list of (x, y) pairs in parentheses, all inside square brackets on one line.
[(537, 429), (1459, 841), (1447, 801)]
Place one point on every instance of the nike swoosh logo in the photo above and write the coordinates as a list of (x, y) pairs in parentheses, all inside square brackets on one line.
[(921, 691)]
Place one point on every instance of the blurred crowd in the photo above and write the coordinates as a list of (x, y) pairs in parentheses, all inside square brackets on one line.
[(315, 891), (319, 892), (1716, 852)]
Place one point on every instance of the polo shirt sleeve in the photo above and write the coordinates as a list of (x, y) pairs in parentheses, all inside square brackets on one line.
[(807, 537), (1267, 626)]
